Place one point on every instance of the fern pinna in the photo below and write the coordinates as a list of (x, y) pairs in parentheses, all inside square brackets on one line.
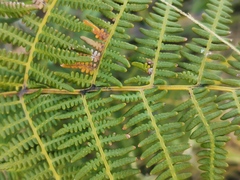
[(110, 89)]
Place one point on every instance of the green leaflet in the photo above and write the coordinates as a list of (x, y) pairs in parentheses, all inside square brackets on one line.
[(46, 77), (60, 40), (14, 9), (67, 21), (15, 36), (58, 55), (94, 5), (12, 83)]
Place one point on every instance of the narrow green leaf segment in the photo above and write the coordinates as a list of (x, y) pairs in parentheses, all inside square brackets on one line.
[(159, 136)]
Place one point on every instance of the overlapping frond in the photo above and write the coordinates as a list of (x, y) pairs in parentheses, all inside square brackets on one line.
[(204, 61), (97, 62), (160, 47), (87, 139), (46, 45), (87, 134), (110, 37), (115, 39), (201, 117), (146, 117)]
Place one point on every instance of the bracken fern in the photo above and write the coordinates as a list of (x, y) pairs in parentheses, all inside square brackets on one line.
[(111, 89)]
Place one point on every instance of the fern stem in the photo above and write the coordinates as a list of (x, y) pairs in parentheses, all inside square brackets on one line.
[(98, 141), (113, 29), (33, 49), (41, 144), (125, 88), (203, 27), (209, 132), (159, 136)]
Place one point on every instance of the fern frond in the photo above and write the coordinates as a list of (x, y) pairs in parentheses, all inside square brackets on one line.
[(44, 110), (91, 135), (15, 126), (127, 97), (67, 102), (15, 36), (113, 42), (204, 66), (13, 61), (189, 76), (102, 70), (58, 39), (76, 78), (22, 160), (86, 4), (107, 79), (65, 112), (139, 80), (48, 52), (12, 83), (209, 131), (17, 145), (116, 56), (67, 21), (32, 21), (9, 104), (39, 172), (46, 77), (160, 44), (40, 104), (147, 116)]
